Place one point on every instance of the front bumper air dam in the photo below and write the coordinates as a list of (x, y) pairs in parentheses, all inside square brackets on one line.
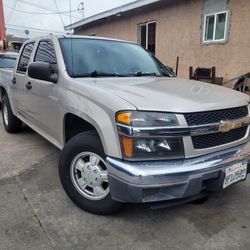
[(137, 182)]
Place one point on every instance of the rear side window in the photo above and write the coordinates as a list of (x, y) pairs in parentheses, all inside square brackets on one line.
[(25, 57), (7, 62), (46, 53)]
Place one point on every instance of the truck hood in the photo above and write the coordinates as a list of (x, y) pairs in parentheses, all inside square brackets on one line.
[(172, 94)]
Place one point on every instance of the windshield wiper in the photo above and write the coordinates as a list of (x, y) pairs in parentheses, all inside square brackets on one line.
[(139, 73), (95, 73)]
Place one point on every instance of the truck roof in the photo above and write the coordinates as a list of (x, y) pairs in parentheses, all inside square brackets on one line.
[(51, 36), (8, 54)]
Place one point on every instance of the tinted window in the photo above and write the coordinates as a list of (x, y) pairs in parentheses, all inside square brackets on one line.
[(25, 57), (7, 62), (46, 53)]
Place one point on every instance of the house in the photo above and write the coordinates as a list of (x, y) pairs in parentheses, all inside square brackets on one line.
[(202, 33)]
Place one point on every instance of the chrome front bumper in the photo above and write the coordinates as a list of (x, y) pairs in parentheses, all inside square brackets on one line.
[(173, 179)]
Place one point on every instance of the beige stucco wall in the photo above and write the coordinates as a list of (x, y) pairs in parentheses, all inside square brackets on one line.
[(179, 34)]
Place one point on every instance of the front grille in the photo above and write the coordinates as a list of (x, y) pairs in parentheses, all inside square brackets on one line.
[(217, 139), (207, 117)]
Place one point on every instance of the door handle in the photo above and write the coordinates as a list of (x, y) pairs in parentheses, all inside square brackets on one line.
[(28, 85), (14, 80)]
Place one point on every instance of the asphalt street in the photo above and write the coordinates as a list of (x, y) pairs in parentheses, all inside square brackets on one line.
[(35, 213)]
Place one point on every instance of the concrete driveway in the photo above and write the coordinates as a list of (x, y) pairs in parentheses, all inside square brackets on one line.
[(36, 214)]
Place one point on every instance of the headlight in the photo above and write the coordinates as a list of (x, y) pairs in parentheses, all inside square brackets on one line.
[(147, 119), (149, 147)]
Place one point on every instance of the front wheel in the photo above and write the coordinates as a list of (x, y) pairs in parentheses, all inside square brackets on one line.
[(83, 174)]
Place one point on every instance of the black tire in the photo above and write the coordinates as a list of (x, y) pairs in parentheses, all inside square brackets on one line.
[(13, 125), (85, 142)]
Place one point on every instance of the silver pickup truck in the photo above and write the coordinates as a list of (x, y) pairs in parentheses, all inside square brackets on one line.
[(129, 130)]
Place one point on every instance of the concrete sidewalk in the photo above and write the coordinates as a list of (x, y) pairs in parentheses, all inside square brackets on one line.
[(35, 213)]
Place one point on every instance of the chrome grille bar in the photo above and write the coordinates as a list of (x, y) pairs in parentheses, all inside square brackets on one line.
[(223, 126)]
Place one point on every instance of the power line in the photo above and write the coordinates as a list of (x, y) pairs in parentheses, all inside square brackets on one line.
[(59, 13), (41, 7), (27, 27), (35, 5), (39, 13), (11, 12), (35, 31)]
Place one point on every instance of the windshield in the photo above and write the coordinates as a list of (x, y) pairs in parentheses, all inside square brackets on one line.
[(7, 62), (105, 58)]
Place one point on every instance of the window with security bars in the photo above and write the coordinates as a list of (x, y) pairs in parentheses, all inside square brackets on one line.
[(147, 36)]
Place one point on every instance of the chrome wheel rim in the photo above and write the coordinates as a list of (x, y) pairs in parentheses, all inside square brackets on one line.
[(88, 173), (5, 114)]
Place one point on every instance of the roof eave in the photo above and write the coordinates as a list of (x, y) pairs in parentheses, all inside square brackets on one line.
[(112, 12)]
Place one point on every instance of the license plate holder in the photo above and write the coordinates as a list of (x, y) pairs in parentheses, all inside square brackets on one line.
[(235, 173)]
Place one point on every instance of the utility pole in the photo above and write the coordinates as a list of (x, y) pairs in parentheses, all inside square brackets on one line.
[(2, 28)]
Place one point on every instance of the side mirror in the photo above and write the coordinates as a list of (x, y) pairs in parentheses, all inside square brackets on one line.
[(42, 71)]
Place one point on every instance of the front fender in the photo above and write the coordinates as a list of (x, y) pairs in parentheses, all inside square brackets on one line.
[(103, 120)]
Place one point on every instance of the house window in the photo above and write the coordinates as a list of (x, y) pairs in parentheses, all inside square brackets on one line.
[(147, 33), (215, 27)]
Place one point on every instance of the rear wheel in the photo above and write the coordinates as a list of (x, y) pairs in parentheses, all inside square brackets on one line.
[(11, 123), (83, 174)]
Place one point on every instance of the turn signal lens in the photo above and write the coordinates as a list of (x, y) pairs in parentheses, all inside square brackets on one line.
[(127, 146), (147, 119), (124, 118)]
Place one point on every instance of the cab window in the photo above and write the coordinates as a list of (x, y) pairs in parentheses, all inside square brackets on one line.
[(46, 53), (25, 57)]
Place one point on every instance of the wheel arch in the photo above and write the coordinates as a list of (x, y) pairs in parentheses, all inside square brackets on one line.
[(2, 92), (74, 124)]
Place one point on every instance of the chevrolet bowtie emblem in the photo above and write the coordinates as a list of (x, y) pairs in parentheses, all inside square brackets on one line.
[(228, 126)]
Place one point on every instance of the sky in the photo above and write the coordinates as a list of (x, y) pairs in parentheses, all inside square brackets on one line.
[(40, 17)]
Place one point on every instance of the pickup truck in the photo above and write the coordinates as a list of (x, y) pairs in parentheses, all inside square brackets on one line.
[(129, 130), (7, 61)]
